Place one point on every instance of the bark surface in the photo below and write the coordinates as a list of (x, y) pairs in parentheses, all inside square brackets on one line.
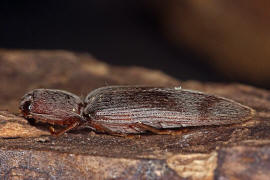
[(240, 151)]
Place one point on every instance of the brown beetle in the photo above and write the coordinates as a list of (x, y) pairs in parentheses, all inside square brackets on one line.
[(121, 110)]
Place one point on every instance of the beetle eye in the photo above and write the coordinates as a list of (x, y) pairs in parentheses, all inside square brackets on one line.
[(26, 107)]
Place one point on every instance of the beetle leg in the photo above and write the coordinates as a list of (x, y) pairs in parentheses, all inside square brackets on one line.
[(158, 131), (102, 129), (71, 126)]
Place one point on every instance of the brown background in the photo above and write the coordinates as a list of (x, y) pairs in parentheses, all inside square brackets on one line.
[(205, 41)]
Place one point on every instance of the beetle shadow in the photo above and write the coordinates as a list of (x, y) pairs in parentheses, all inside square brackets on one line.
[(84, 130)]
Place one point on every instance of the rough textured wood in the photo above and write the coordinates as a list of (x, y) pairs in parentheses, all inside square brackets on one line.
[(201, 153), (242, 162)]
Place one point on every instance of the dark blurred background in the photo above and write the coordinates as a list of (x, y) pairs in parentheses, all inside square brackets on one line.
[(168, 36)]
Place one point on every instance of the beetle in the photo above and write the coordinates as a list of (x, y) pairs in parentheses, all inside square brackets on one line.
[(122, 110)]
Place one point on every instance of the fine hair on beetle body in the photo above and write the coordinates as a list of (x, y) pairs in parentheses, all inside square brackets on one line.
[(122, 110)]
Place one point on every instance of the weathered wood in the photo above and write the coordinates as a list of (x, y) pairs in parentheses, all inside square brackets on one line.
[(28, 151)]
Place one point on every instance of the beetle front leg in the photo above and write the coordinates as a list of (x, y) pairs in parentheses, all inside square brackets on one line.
[(59, 133), (72, 122), (158, 131)]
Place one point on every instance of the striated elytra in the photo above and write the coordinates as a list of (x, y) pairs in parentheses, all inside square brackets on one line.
[(120, 110)]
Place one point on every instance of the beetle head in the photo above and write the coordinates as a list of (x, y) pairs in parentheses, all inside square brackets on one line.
[(26, 104)]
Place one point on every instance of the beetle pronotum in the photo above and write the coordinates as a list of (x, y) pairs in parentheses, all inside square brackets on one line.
[(120, 110)]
